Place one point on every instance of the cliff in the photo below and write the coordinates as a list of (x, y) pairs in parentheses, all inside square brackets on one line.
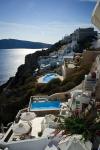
[(15, 94)]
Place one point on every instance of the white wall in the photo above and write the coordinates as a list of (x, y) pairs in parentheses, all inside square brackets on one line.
[(32, 144)]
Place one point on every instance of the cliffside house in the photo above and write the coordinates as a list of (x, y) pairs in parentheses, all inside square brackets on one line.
[(79, 102), (90, 82)]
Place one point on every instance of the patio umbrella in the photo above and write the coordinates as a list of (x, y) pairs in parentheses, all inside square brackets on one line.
[(96, 15), (21, 128), (28, 116)]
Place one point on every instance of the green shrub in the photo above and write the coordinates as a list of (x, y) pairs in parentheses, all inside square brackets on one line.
[(76, 125), (53, 84), (68, 86), (55, 81), (40, 133)]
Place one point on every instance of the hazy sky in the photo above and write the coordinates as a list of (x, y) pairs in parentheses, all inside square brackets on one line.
[(43, 20)]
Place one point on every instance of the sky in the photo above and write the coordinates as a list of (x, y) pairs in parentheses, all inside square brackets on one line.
[(43, 20)]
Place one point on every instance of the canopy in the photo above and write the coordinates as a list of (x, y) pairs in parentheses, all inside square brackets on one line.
[(28, 116), (21, 128), (96, 15)]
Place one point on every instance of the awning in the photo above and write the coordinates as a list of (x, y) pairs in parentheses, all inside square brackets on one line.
[(96, 15)]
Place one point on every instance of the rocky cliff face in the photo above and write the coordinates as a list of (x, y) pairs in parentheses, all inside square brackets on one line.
[(15, 94), (26, 70)]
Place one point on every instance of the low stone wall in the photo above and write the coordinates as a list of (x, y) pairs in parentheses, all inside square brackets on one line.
[(46, 112), (29, 144), (60, 96)]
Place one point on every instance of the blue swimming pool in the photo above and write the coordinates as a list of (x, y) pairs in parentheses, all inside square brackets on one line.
[(49, 77), (45, 105)]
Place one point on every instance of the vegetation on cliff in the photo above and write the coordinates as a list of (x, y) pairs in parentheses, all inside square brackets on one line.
[(15, 94), (85, 44), (79, 125)]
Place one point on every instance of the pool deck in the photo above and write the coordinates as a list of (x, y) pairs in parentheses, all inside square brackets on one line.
[(36, 126)]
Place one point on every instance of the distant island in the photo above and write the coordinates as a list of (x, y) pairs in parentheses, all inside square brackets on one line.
[(14, 43)]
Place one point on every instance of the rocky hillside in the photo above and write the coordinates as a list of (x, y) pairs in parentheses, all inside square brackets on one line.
[(15, 94)]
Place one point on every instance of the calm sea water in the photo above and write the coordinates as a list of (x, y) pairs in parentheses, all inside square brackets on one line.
[(10, 59)]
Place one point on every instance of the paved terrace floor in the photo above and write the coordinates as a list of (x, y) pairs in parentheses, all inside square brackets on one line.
[(36, 126)]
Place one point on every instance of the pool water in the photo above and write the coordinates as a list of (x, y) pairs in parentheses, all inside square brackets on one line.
[(49, 77), (45, 105)]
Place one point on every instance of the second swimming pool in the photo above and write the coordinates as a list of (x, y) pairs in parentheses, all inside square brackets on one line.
[(49, 77)]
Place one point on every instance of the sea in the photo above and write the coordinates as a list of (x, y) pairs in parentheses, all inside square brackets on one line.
[(10, 60)]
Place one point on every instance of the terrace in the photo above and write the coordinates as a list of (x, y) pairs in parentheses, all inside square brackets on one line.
[(24, 134)]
